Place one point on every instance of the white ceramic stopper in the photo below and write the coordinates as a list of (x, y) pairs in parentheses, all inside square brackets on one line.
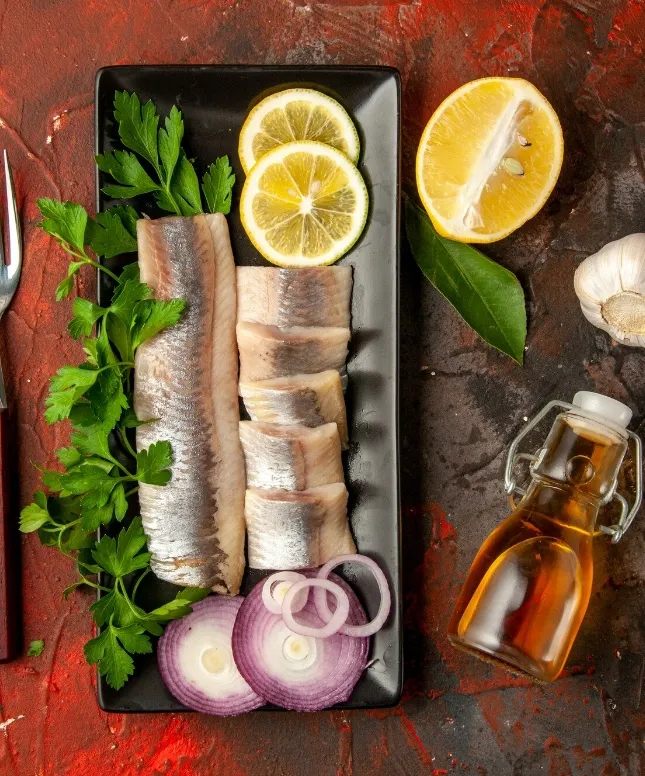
[(603, 408)]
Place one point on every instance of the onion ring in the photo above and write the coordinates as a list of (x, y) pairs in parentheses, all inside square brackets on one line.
[(320, 597), (270, 601), (334, 624)]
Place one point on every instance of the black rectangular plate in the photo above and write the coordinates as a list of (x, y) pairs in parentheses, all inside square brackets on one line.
[(215, 101)]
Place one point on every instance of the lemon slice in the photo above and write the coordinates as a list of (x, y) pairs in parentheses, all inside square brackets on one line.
[(296, 114), (488, 159), (304, 204)]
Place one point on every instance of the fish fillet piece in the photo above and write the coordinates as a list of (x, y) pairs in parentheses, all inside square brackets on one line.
[(293, 530), (267, 351), (186, 377), (306, 400), (291, 457), (318, 296)]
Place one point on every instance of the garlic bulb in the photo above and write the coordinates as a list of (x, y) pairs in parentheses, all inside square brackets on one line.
[(611, 288)]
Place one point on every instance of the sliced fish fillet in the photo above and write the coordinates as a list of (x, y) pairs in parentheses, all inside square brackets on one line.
[(318, 296), (291, 457), (186, 377), (267, 351), (306, 400), (292, 530)]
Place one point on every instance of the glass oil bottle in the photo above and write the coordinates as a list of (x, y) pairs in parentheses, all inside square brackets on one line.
[(528, 588)]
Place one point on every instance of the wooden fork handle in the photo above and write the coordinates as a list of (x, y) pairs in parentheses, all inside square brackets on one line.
[(9, 549)]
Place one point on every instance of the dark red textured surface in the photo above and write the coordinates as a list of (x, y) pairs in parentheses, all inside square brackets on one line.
[(462, 401)]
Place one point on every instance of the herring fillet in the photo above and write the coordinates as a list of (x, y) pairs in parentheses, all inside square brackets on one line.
[(292, 530), (291, 457), (186, 378), (268, 351), (316, 296), (307, 400)]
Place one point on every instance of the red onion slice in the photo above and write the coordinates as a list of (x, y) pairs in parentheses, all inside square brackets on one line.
[(196, 660), (276, 587), (298, 672), (320, 597), (336, 622)]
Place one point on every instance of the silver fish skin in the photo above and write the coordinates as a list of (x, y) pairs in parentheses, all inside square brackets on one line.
[(186, 377), (317, 296), (291, 457), (293, 530), (307, 400), (267, 351)]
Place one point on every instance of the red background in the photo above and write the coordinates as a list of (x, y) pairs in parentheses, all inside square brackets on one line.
[(457, 716)]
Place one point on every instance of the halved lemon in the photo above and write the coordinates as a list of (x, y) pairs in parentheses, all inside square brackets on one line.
[(304, 204), (488, 159), (296, 114)]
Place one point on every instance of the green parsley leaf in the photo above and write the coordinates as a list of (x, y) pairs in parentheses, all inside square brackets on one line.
[(36, 648), (81, 415), (130, 271), (65, 388), (90, 347), (185, 189), (153, 464), (180, 606), (152, 316), (129, 218), (78, 538), (94, 517), (84, 478), (69, 456), (66, 221), (122, 556), (92, 440), (105, 608), (86, 314), (137, 125), (65, 287), (107, 399), (126, 297), (119, 502), (35, 515), (170, 142), (109, 235), (217, 186), (114, 662), (126, 169), (99, 495)]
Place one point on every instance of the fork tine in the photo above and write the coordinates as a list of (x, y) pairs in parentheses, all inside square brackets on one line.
[(3, 269), (15, 241)]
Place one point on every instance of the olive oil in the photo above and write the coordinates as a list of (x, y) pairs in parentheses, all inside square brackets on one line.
[(528, 588)]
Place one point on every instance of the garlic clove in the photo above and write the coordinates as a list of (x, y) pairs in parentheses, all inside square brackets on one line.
[(632, 263), (599, 276), (611, 288)]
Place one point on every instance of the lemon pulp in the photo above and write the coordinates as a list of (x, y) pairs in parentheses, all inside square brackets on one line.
[(304, 204), (294, 115), (488, 159)]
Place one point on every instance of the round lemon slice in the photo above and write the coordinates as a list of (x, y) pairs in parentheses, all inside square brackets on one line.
[(488, 159), (304, 204), (296, 114)]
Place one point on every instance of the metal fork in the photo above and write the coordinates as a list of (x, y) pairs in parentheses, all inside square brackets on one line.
[(9, 549), (10, 273)]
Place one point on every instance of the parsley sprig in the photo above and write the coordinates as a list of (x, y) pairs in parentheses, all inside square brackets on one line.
[(100, 471), (157, 164)]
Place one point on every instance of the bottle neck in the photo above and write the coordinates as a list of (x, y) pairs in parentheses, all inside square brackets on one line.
[(562, 503)]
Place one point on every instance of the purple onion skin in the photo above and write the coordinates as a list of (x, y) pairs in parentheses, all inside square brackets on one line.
[(343, 663), (222, 609)]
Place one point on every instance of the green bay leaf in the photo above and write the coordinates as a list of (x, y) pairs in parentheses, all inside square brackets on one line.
[(487, 296)]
